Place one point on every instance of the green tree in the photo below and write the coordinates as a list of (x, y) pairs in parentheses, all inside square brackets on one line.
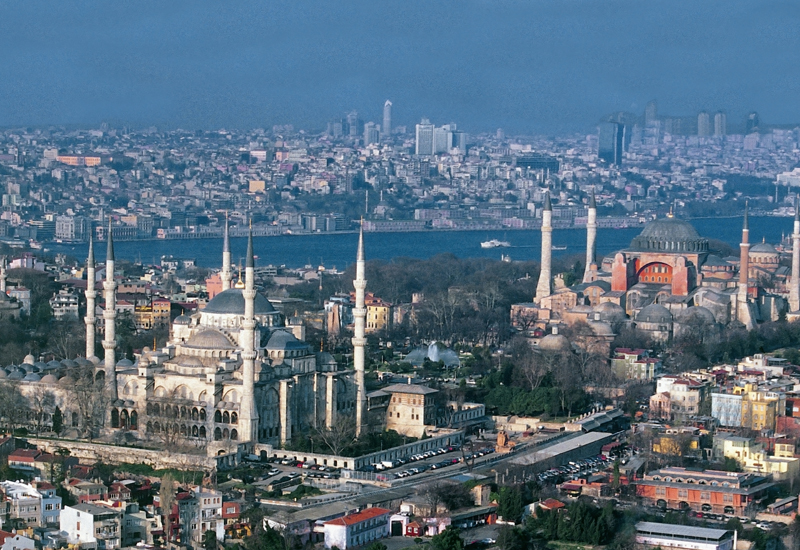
[(448, 540), (512, 538), (209, 540), (58, 421), (377, 546), (509, 504)]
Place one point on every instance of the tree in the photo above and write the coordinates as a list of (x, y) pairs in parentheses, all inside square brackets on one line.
[(166, 498), (340, 436), (14, 406), (448, 540), (42, 402), (509, 504), (58, 421), (209, 540), (377, 546), (90, 398), (512, 538)]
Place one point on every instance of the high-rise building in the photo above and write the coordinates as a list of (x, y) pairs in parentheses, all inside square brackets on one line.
[(703, 124), (354, 123), (611, 142), (457, 140), (650, 113), (424, 138), (372, 133), (440, 141), (720, 123), (752, 123), (387, 119)]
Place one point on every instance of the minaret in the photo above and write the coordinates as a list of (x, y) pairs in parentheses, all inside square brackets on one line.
[(91, 294), (225, 275), (543, 287), (794, 289), (359, 341), (110, 315), (591, 239), (248, 415), (3, 275), (744, 269)]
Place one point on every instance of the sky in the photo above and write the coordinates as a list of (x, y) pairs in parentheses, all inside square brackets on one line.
[(528, 66)]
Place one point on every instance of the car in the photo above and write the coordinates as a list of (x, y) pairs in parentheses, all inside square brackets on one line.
[(487, 541), (273, 472)]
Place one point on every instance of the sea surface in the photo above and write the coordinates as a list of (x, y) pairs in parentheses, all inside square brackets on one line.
[(339, 250)]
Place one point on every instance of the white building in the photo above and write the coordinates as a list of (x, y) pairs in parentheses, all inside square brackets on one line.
[(15, 541), (90, 524), (200, 513), (357, 529), (35, 507), (660, 535), (64, 304)]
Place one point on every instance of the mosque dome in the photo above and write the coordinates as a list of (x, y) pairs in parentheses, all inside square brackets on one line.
[(763, 248), (16, 375), (67, 381), (30, 359), (654, 313), (49, 379), (124, 363), (3, 374), (609, 311), (698, 314), (83, 362), (669, 235), (188, 361), (280, 340), (209, 339), (32, 377), (555, 342), (184, 319), (69, 363), (231, 302), (601, 329), (53, 365)]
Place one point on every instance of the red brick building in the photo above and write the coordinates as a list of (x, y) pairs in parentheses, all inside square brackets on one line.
[(703, 491)]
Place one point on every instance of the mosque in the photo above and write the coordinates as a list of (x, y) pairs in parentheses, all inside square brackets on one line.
[(666, 283)]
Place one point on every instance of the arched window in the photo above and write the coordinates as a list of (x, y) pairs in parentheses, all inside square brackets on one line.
[(226, 418), (156, 409), (217, 434), (149, 409), (203, 432), (123, 419), (183, 412), (195, 431), (183, 430), (114, 418), (156, 427), (134, 420), (149, 427), (217, 416), (234, 418), (234, 435), (195, 414), (225, 433), (202, 415)]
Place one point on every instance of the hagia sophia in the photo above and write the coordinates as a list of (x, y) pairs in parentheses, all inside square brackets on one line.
[(665, 283)]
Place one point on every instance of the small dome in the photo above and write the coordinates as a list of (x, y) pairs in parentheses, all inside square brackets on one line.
[(32, 377), (209, 339), (15, 375), (69, 363), (83, 362), (654, 313), (696, 315), (67, 381), (188, 361), (40, 365), (49, 379), (30, 359), (125, 363), (94, 360), (280, 340), (601, 328), (555, 342), (53, 365), (3, 374), (183, 320), (763, 248)]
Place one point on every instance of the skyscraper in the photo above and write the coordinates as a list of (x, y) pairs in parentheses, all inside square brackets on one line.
[(611, 142), (371, 133), (720, 123), (424, 138), (387, 119), (440, 144), (650, 113), (703, 124), (355, 124), (752, 123)]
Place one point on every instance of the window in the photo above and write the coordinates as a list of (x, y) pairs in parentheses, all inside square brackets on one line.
[(661, 491), (727, 498), (683, 493), (705, 495)]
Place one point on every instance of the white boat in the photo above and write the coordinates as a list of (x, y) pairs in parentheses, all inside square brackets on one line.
[(558, 247), (494, 243)]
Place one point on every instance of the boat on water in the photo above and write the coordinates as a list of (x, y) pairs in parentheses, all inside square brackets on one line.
[(495, 243), (558, 247)]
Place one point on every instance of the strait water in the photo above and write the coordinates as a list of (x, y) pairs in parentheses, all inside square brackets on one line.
[(339, 250)]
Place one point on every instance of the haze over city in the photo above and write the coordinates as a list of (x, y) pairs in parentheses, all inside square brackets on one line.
[(529, 67)]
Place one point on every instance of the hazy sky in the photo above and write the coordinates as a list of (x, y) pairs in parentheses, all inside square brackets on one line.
[(527, 66)]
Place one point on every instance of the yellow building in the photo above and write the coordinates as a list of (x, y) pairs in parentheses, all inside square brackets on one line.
[(257, 186), (760, 408), (379, 313), (752, 457), (410, 409)]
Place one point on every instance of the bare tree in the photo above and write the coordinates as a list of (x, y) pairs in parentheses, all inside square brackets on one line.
[(90, 397), (531, 366), (340, 435), (166, 499), (66, 338), (14, 406), (43, 403)]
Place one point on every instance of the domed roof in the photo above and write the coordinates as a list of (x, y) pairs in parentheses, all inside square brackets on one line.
[(231, 302), (49, 379), (555, 342), (29, 359), (32, 377), (209, 339), (609, 307), (601, 328), (185, 319), (3, 373), (53, 364), (280, 340), (654, 313), (697, 314), (124, 363), (670, 235), (83, 362), (763, 248), (67, 381), (69, 363), (15, 375), (189, 361)]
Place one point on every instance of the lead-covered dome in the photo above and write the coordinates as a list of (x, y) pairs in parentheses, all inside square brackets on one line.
[(231, 302), (669, 235), (555, 342), (209, 339), (654, 313)]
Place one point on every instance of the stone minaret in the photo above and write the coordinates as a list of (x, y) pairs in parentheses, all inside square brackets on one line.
[(3, 275), (543, 286), (110, 315), (91, 295), (591, 239), (359, 341), (744, 270), (248, 414), (794, 289), (225, 275)]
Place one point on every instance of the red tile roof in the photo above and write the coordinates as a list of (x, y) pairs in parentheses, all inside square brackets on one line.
[(358, 517)]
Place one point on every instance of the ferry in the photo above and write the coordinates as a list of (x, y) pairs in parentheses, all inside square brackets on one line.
[(558, 247), (494, 243)]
